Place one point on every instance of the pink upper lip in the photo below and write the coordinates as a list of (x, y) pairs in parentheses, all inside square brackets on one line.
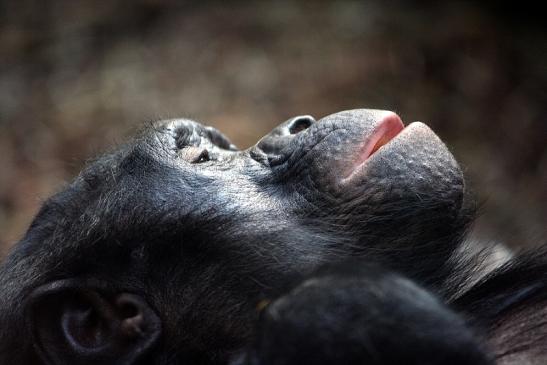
[(389, 127)]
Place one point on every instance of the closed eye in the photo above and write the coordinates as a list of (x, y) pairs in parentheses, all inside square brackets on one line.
[(194, 154), (203, 157)]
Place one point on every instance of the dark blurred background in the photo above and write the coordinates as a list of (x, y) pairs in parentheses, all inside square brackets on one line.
[(78, 76)]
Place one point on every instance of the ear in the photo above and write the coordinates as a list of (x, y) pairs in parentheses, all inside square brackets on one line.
[(72, 324)]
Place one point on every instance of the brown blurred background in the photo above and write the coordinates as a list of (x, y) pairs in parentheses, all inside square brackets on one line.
[(78, 76)]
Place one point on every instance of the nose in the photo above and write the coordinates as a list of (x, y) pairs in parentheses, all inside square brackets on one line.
[(297, 124), (278, 138)]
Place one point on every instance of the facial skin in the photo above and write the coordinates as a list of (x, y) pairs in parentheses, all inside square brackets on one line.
[(190, 234)]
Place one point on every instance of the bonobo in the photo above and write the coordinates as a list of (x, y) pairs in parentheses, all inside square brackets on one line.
[(336, 241)]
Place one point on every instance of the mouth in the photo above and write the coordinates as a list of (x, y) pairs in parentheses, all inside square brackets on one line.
[(388, 129), (390, 126), (411, 155)]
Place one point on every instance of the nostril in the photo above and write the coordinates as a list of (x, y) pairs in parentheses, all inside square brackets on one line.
[(280, 137), (299, 124)]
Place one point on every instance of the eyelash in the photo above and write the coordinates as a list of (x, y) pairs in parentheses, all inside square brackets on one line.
[(203, 157)]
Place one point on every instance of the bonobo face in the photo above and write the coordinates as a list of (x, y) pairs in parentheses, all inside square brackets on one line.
[(204, 231), (363, 166)]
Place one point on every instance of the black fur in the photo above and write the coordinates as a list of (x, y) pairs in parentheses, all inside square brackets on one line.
[(161, 251)]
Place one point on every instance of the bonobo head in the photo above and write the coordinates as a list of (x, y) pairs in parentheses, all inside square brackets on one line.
[(161, 250)]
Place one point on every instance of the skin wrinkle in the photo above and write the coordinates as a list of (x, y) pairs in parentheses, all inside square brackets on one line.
[(296, 154)]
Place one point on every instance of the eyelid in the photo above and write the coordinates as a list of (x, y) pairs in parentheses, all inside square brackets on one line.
[(219, 139), (194, 154)]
